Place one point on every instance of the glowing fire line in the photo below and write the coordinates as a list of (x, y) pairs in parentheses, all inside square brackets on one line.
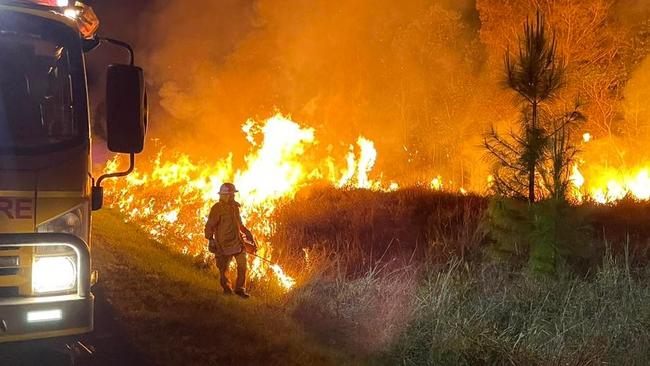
[(608, 184), (169, 199), (172, 199)]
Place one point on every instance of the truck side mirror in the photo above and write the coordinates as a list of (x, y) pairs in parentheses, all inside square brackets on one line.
[(97, 198), (127, 109)]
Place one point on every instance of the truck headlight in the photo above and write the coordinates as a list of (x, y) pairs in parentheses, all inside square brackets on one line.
[(54, 274), (73, 222)]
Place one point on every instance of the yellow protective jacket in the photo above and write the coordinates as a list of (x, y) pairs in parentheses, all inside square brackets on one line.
[(224, 225)]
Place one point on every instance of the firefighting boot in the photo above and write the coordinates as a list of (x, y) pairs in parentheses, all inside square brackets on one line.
[(242, 293)]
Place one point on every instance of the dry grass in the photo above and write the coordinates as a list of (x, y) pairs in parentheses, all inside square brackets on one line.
[(624, 228), (175, 314), (365, 253), (363, 315), (394, 278), (394, 226), (485, 316), (402, 272)]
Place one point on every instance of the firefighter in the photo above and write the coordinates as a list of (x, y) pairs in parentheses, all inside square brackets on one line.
[(224, 231)]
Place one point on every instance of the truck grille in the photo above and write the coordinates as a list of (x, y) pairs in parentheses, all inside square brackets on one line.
[(9, 265), (9, 291), (15, 271), (9, 271)]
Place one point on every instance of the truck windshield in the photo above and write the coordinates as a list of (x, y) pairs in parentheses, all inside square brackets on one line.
[(36, 87)]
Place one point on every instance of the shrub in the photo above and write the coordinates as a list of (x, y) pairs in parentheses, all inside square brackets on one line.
[(545, 236), (509, 229)]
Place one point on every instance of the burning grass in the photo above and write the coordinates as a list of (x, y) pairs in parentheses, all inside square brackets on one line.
[(374, 269), (171, 198), (400, 278), (174, 313)]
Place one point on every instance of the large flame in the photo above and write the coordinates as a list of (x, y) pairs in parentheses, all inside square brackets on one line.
[(358, 168), (173, 198), (607, 184)]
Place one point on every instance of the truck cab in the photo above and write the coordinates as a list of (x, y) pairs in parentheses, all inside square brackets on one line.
[(47, 191)]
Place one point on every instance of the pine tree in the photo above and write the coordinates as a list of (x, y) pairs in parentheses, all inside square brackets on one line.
[(536, 74), (548, 229)]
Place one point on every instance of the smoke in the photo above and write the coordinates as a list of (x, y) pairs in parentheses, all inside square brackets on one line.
[(420, 78), (399, 73), (635, 16)]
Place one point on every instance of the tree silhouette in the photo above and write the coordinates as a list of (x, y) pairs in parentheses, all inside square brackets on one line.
[(536, 74)]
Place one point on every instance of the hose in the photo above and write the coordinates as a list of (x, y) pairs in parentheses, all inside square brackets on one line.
[(264, 259)]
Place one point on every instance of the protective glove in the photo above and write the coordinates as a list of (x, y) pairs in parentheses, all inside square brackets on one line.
[(250, 245), (212, 246), (253, 244)]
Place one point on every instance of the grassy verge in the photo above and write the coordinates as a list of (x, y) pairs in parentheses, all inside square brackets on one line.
[(487, 316), (175, 315), (439, 310), (482, 314), (378, 288)]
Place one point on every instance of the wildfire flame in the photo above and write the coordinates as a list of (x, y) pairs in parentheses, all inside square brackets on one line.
[(173, 197), (611, 185), (360, 167), (608, 184), (436, 183), (170, 199)]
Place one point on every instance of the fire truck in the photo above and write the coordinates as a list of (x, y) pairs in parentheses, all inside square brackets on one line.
[(47, 191)]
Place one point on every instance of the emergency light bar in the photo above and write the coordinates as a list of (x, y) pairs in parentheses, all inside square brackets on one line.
[(84, 15), (59, 2), (49, 3)]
